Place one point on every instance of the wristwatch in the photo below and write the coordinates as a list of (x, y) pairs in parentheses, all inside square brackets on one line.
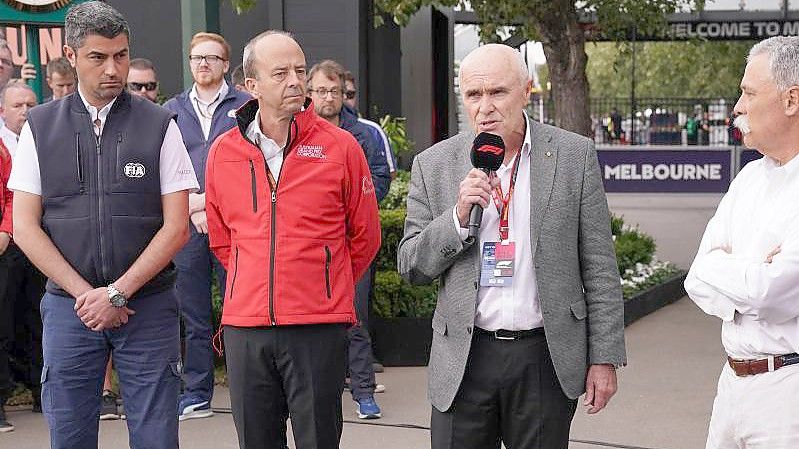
[(116, 297)]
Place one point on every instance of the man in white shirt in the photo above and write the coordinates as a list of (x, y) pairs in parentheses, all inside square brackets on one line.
[(529, 313), (17, 98), (746, 271), (103, 217)]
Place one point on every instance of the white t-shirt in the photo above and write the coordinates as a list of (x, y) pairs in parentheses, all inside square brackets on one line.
[(176, 170)]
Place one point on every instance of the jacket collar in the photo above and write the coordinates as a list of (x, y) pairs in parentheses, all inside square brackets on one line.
[(301, 122), (347, 118), (121, 102)]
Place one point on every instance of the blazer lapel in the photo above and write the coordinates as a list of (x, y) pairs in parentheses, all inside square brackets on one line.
[(543, 158)]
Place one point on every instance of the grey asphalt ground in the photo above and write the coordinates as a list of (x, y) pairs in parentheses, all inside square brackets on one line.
[(665, 395)]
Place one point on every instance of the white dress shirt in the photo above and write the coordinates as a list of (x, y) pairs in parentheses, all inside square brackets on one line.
[(757, 301), (205, 110), (10, 139), (516, 307), (273, 153), (176, 170)]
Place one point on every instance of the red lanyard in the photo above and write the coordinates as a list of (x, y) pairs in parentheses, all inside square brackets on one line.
[(503, 201)]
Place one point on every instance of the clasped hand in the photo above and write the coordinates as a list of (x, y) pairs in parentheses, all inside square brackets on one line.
[(95, 310)]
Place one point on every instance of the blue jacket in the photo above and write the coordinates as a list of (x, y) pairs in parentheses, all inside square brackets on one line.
[(375, 155), (189, 125)]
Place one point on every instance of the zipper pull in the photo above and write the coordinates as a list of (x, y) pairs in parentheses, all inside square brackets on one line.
[(274, 196)]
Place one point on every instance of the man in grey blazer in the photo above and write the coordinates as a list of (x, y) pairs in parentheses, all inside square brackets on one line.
[(508, 362)]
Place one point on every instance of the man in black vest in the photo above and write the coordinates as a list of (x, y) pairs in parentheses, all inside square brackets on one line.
[(101, 181)]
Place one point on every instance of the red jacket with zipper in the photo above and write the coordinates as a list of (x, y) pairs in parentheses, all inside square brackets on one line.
[(292, 256)]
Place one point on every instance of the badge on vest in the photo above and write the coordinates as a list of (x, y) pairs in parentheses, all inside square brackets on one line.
[(134, 170)]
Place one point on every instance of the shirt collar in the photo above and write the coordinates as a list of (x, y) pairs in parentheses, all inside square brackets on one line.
[(528, 138), (264, 142), (791, 168), (102, 113), (220, 94), (6, 130)]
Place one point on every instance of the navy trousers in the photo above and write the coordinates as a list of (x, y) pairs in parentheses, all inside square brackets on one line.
[(359, 348), (146, 354), (195, 264)]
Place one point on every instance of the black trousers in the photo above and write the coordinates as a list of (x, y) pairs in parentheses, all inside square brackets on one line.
[(283, 371), (21, 290), (509, 394)]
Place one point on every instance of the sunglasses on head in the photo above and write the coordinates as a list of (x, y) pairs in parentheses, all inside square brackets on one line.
[(151, 86)]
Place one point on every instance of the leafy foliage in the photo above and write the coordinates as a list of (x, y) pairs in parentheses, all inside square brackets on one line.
[(396, 131), (394, 297), (632, 246), (692, 69), (398, 192)]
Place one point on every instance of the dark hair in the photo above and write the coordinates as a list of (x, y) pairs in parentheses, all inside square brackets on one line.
[(142, 64), (93, 17)]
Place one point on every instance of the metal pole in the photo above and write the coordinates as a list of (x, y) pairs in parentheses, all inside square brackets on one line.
[(632, 94), (32, 47)]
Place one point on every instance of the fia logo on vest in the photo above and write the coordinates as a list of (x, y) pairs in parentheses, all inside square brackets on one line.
[(134, 170)]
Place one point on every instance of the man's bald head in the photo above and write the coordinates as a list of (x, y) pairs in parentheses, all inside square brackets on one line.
[(496, 55), (274, 70), (266, 42), (495, 89)]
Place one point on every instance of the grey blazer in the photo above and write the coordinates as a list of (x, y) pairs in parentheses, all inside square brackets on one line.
[(574, 258)]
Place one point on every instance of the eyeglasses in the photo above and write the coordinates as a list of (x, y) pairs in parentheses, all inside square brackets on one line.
[(322, 92), (350, 94), (209, 59), (6, 62), (151, 86)]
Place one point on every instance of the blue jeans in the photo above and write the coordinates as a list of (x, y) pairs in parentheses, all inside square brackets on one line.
[(194, 263), (146, 354)]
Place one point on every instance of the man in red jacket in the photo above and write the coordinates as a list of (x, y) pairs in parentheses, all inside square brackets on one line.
[(292, 215)]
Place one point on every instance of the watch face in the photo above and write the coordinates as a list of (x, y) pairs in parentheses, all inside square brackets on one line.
[(118, 301), (37, 5)]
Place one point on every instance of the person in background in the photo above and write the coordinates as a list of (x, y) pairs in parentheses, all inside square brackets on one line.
[(237, 78), (351, 100), (204, 112), (16, 99), (326, 86), (61, 78), (21, 284), (143, 79)]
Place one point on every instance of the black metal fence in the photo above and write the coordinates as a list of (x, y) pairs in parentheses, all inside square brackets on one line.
[(657, 121)]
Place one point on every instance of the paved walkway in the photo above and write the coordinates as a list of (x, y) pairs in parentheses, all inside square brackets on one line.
[(664, 401)]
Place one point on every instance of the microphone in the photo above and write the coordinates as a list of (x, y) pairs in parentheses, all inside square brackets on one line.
[(488, 152)]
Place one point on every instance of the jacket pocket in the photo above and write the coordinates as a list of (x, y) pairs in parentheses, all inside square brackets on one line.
[(579, 309), (328, 259), (235, 271), (253, 187)]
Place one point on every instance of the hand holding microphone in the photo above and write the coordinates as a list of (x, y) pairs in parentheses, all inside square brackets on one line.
[(488, 152)]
